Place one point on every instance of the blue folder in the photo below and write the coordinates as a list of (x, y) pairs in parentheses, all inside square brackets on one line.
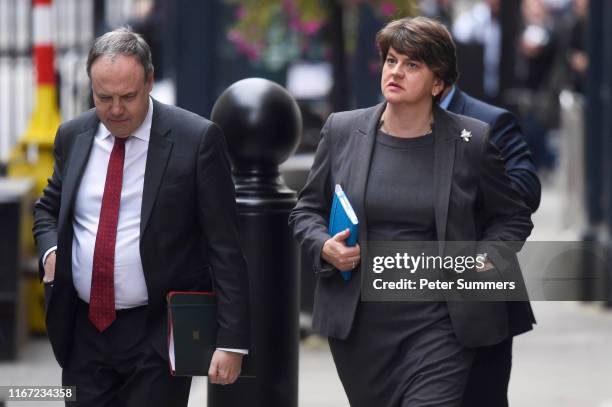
[(343, 217)]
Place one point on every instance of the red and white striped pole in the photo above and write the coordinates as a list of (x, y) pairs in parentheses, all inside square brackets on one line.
[(33, 154), (45, 119), (32, 157)]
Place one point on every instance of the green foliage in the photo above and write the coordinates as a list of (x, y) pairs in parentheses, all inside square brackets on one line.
[(274, 32)]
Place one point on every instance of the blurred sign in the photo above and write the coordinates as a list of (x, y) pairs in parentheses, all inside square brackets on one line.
[(309, 80)]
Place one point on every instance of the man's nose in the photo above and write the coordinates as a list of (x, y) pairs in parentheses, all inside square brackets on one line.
[(117, 108)]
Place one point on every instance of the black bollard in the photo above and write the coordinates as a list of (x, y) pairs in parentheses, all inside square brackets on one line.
[(262, 124), (606, 124)]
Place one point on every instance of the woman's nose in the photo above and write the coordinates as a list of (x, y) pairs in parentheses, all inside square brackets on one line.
[(397, 70)]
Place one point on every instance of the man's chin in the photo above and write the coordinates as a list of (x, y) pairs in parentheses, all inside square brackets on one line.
[(118, 130)]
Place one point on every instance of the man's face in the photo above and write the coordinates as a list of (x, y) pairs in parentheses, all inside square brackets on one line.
[(120, 93)]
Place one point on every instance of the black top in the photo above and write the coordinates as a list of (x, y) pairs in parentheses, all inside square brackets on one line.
[(399, 199)]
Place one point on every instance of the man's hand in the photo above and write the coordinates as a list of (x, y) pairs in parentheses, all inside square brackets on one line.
[(49, 268), (224, 367), (337, 253)]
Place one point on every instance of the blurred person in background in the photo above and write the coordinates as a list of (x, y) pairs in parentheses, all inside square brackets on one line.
[(150, 21), (480, 24), (576, 56), (441, 10), (538, 44), (413, 172), (140, 203), (489, 376)]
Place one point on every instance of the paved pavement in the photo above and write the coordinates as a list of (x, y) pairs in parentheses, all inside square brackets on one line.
[(565, 362)]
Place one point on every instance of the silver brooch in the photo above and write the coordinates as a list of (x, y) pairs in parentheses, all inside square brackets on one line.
[(466, 135)]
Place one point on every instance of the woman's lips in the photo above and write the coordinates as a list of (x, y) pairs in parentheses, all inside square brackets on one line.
[(393, 85)]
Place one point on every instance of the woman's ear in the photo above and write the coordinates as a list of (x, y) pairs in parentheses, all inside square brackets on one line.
[(438, 87)]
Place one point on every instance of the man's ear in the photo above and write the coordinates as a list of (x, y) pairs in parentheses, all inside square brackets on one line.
[(149, 81)]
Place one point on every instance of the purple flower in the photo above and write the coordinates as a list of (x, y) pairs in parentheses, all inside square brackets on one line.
[(387, 8), (311, 27), (289, 6), (252, 50), (240, 12)]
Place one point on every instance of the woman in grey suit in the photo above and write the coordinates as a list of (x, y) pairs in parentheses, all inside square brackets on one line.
[(412, 172)]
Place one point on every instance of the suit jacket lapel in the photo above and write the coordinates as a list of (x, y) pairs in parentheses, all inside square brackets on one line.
[(76, 165), (444, 158), (157, 158), (364, 139)]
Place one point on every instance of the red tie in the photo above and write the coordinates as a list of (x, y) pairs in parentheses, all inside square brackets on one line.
[(102, 296)]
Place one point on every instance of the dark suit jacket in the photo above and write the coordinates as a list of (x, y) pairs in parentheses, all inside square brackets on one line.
[(473, 201), (188, 229), (507, 136)]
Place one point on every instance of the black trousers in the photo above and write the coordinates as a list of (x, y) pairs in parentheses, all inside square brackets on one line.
[(488, 380), (119, 367)]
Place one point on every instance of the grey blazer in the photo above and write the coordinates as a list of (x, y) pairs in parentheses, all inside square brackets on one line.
[(473, 201)]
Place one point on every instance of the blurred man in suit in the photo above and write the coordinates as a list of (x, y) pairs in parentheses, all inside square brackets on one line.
[(488, 380)]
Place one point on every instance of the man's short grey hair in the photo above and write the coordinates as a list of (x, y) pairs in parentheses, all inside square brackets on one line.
[(121, 41)]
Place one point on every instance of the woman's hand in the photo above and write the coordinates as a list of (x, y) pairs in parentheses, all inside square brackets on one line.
[(338, 254)]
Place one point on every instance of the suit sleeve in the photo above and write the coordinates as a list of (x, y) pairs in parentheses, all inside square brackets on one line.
[(46, 208), (310, 217), (507, 136), (219, 221), (505, 221)]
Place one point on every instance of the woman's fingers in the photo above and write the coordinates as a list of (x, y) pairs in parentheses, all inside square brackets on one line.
[(341, 236), (341, 256), (348, 263), (354, 259)]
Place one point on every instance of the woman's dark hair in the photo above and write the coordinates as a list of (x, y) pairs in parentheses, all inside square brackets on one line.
[(421, 39)]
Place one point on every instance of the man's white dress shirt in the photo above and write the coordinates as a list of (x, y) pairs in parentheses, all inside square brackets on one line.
[(130, 286)]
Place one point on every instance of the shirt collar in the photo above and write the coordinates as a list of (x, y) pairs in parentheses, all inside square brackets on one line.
[(444, 103), (143, 132)]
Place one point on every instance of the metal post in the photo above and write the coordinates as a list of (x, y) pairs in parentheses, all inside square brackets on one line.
[(593, 141), (340, 96), (606, 129), (593, 131), (262, 124), (195, 26), (509, 18)]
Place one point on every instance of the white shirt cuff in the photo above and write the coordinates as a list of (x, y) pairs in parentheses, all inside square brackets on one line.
[(47, 253), (241, 351)]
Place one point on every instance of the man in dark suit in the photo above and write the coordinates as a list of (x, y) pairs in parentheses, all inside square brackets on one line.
[(140, 203), (506, 135), (490, 374)]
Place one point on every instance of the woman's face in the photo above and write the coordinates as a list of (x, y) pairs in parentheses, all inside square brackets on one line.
[(405, 81)]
